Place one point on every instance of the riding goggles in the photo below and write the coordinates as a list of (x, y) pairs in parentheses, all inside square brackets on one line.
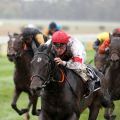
[(59, 45)]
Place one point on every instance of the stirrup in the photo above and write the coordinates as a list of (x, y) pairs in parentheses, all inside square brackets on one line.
[(88, 95)]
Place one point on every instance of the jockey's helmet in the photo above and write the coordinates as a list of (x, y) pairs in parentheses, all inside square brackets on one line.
[(116, 32), (60, 37), (54, 26)]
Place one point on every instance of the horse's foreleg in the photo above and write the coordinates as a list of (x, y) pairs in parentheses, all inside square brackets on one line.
[(27, 116), (14, 103), (34, 108), (109, 112)]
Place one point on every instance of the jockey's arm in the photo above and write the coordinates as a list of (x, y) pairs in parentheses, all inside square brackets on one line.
[(78, 53), (74, 63), (40, 39), (96, 44)]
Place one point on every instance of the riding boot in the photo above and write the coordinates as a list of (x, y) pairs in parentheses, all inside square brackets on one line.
[(90, 86)]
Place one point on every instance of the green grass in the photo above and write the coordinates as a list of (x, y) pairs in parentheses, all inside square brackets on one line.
[(7, 87)]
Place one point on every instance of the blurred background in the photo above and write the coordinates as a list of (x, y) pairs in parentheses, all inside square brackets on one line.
[(83, 19)]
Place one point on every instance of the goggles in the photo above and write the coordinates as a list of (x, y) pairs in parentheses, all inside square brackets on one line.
[(59, 45)]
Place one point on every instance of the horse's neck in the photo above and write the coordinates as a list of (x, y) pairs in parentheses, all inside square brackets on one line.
[(113, 76), (71, 83), (114, 69), (57, 74), (23, 63)]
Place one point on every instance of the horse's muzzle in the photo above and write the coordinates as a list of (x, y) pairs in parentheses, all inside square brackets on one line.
[(11, 57), (36, 86)]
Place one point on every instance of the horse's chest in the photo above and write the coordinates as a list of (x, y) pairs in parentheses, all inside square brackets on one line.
[(115, 85), (58, 100)]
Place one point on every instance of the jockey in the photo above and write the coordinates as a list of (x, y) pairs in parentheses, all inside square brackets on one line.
[(116, 32), (32, 36), (61, 43), (102, 42), (53, 27)]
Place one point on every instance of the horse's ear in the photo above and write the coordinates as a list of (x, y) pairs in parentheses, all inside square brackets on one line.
[(49, 48), (34, 47), (110, 36)]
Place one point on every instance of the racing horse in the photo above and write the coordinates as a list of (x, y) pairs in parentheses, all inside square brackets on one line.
[(101, 61), (112, 76), (16, 53), (61, 89)]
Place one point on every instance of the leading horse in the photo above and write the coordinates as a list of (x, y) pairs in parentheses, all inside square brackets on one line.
[(61, 89), (21, 58)]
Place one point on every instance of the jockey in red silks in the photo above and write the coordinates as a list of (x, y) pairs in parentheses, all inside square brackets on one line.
[(61, 43)]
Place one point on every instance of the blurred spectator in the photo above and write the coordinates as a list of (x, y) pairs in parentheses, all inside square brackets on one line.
[(53, 27)]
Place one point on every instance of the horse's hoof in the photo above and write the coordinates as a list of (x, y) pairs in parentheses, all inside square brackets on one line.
[(23, 111), (113, 117), (37, 112), (107, 117)]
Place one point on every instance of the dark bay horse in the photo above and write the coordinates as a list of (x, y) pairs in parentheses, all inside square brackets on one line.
[(22, 74), (61, 89), (112, 75), (101, 61)]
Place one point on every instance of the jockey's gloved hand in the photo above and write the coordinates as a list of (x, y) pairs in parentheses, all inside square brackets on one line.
[(59, 61), (95, 48), (107, 50)]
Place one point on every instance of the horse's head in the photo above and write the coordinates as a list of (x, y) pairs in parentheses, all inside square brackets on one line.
[(15, 46), (100, 61), (41, 65), (114, 53)]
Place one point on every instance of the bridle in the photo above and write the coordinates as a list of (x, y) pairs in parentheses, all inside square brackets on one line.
[(51, 70), (22, 51), (115, 51)]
